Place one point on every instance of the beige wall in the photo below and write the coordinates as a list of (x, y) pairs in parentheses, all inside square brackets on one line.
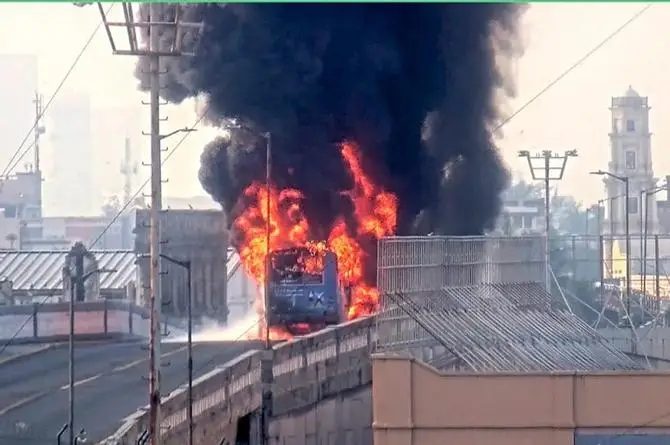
[(415, 404)]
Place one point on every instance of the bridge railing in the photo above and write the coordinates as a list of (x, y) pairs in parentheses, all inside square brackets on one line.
[(51, 322), (305, 371)]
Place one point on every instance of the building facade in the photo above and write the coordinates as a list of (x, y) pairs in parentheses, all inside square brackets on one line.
[(415, 404), (17, 91), (70, 182), (519, 217)]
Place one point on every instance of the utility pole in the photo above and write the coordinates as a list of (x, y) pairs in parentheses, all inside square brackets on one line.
[(551, 169), (37, 132), (154, 51)]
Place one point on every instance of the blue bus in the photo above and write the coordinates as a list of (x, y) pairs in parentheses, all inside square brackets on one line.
[(305, 296)]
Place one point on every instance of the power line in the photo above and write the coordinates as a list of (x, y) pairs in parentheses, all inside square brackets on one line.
[(15, 159), (575, 65), (505, 121)]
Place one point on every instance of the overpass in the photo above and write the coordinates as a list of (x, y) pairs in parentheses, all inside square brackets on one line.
[(490, 313), (321, 382)]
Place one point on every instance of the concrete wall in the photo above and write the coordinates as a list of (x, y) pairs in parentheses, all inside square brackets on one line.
[(198, 236), (415, 404), (343, 419), (651, 341), (316, 370), (51, 322)]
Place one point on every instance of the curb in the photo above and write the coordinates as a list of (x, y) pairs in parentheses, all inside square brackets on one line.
[(28, 354)]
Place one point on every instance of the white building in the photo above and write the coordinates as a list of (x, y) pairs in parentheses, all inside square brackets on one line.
[(69, 187), (17, 92), (630, 157)]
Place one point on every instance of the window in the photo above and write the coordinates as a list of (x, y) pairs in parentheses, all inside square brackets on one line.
[(527, 221), (630, 160), (630, 125), (632, 205)]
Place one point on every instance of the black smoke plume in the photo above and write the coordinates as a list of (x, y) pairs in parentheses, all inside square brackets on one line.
[(417, 86)]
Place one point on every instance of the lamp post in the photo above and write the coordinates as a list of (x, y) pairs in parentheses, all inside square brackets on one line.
[(77, 281), (189, 340), (647, 193), (625, 181), (266, 362)]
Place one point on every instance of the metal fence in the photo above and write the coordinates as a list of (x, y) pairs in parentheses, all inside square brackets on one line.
[(481, 304), (593, 268), (419, 270)]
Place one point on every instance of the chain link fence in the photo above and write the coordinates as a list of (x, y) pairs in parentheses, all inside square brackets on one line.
[(592, 274), (481, 304)]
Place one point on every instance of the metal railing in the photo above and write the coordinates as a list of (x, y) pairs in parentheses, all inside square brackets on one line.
[(49, 322)]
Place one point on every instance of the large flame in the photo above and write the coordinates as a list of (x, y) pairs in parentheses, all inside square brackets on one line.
[(374, 212)]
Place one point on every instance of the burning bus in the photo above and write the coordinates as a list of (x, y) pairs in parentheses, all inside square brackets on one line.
[(305, 293)]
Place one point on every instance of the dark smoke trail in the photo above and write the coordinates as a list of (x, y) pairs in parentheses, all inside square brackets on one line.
[(417, 86)]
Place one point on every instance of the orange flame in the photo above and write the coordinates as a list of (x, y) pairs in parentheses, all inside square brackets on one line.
[(375, 214)]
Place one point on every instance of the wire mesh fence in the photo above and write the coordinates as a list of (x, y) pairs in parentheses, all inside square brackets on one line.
[(480, 303), (593, 271)]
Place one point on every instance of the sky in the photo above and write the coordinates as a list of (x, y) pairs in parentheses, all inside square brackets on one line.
[(573, 114)]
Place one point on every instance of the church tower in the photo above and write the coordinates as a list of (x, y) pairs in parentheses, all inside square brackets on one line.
[(630, 156)]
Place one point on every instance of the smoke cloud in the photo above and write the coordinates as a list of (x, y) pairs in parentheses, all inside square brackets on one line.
[(418, 86)]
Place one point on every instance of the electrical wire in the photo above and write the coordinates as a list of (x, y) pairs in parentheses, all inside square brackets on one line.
[(575, 65), (504, 122), (119, 213), (15, 159)]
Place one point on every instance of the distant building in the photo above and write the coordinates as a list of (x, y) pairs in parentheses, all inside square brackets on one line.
[(59, 233), (191, 202), (521, 217), (17, 91), (70, 183)]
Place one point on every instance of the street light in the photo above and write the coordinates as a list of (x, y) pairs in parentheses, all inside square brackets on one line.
[(186, 264), (266, 362), (646, 194), (74, 279), (548, 156), (623, 179), (233, 124)]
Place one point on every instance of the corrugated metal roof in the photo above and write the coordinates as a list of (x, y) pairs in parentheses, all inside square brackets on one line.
[(509, 328), (43, 270)]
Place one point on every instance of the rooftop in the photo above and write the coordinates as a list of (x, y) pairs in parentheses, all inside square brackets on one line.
[(43, 270)]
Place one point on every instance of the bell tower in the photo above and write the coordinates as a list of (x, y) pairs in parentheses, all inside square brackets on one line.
[(630, 157)]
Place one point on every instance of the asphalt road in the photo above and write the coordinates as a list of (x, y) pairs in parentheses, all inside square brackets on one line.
[(110, 385)]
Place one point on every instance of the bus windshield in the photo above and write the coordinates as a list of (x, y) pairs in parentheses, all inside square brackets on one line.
[(297, 266)]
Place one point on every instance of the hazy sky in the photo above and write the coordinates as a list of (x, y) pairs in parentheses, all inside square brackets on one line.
[(572, 114)]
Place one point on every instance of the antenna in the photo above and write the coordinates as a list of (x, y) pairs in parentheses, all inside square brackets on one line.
[(37, 132), (128, 170)]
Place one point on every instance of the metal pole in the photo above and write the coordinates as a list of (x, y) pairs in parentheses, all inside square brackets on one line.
[(266, 292), (548, 156), (657, 275), (628, 252), (645, 240), (70, 420), (547, 220), (586, 222), (266, 364), (611, 243), (189, 344), (155, 305), (642, 202), (60, 433)]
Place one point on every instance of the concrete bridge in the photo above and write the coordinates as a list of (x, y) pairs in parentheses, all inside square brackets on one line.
[(321, 391)]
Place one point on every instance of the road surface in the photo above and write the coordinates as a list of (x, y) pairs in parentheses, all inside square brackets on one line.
[(110, 384)]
